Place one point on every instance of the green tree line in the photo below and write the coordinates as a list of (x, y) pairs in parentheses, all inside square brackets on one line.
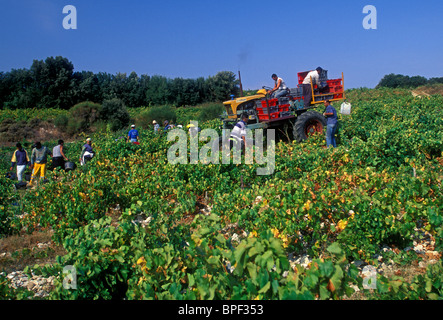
[(53, 83), (401, 81)]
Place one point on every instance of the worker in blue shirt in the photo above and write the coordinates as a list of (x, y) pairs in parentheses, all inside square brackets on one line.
[(133, 134), (20, 157), (166, 125), (331, 122)]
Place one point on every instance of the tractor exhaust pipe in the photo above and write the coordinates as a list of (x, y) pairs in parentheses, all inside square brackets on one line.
[(241, 86)]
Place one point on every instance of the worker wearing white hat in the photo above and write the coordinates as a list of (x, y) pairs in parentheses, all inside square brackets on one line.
[(87, 152), (156, 126), (133, 134)]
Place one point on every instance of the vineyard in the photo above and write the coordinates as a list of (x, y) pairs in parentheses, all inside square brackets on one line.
[(135, 227)]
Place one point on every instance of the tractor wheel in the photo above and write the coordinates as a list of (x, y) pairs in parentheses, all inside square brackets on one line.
[(308, 123)]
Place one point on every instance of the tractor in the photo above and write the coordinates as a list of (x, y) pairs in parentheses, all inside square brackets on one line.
[(287, 113)]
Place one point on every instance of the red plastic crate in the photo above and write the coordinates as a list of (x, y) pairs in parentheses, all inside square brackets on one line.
[(338, 89), (338, 96), (283, 107), (301, 76), (271, 103), (264, 117), (275, 115), (333, 82), (335, 89)]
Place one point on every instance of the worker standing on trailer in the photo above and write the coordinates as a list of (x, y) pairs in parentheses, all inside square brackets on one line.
[(313, 76), (280, 89), (331, 122)]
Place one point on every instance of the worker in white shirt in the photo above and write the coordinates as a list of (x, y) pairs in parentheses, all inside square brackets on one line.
[(313, 76), (280, 89), (238, 133)]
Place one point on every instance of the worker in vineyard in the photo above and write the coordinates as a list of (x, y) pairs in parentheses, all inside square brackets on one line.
[(166, 125), (314, 78), (39, 159), (21, 159), (280, 89), (238, 133), (133, 134), (332, 123), (87, 152), (58, 156), (193, 130), (156, 126)]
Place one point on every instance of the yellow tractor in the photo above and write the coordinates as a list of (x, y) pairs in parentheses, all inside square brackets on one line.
[(288, 113)]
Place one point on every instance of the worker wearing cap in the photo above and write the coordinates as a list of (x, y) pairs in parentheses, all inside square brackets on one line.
[(193, 130), (166, 125), (314, 77), (156, 126), (331, 124), (280, 89), (133, 134), (87, 152)]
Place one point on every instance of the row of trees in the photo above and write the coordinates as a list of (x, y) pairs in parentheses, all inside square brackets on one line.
[(53, 83), (402, 81)]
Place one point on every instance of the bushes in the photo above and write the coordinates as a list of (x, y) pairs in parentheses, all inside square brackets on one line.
[(82, 116), (87, 116), (115, 113), (159, 114), (61, 122), (210, 111)]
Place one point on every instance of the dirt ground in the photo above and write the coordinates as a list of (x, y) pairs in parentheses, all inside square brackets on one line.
[(19, 251)]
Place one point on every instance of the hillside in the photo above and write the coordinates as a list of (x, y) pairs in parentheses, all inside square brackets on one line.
[(136, 227), (428, 90)]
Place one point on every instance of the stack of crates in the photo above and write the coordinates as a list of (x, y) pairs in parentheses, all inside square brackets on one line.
[(336, 87), (267, 108), (296, 92), (272, 108), (283, 105)]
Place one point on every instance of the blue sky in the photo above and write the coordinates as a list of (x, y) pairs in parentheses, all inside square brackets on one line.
[(198, 38)]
